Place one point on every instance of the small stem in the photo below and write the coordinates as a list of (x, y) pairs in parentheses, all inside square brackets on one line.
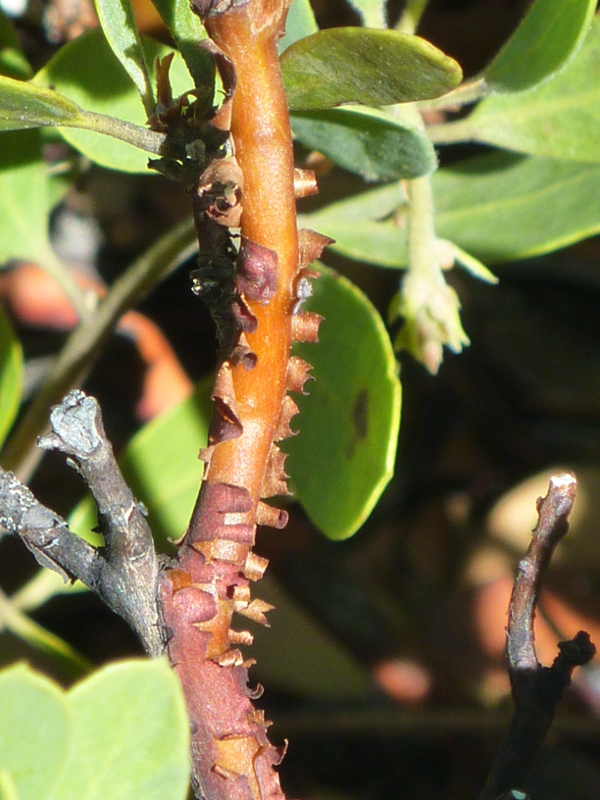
[(136, 135), (85, 343), (411, 16), (57, 270), (451, 132), (422, 256)]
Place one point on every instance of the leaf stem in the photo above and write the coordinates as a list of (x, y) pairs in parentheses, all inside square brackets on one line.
[(451, 132), (85, 343), (136, 135)]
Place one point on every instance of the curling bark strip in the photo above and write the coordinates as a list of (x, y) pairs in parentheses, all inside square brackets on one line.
[(257, 306)]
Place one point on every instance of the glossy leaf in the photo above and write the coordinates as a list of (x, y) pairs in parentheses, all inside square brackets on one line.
[(372, 12), (119, 26), (24, 105), (551, 32), (496, 207), (33, 755), (12, 60), (11, 375), (360, 65), (367, 141), (187, 30), (87, 71), (345, 452), (24, 205), (122, 733), (300, 23), (559, 119)]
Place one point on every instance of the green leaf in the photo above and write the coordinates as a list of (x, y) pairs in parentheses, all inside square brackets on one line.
[(497, 207), (88, 73), (161, 466), (300, 23), (372, 143), (35, 732), (551, 32), (130, 737), (365, 227), (372, 12), (120, 734), (24, 105), (12, 60), (344, 455), (360, 65), (24, 207), (559, 119), (187, 30), (11, 375), (119, 27)]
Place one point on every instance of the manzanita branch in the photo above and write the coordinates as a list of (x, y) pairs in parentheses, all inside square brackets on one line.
[(536, 689), (252, 281)]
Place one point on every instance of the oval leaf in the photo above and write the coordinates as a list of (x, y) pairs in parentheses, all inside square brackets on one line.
[(344, 455), (49, 738), (551, 32), (559, 119), (136, 709), (24, 105), (371, 143), (11, 375), (360, 65), (119, 26), (88, 73), (33, 755)]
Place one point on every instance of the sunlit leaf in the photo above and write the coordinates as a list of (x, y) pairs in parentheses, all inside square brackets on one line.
[(33, 754), (122, 733), (24, 105), (372, 143), (136, 710), (88, 73), (559, 119), (360, 65), (344, 454), (118, 23), (551, 32)]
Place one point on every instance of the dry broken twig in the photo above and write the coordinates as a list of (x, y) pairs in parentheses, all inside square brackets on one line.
[(536, 689)]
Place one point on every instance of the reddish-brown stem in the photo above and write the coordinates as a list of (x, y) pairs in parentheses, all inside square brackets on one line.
[(231, 755)]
